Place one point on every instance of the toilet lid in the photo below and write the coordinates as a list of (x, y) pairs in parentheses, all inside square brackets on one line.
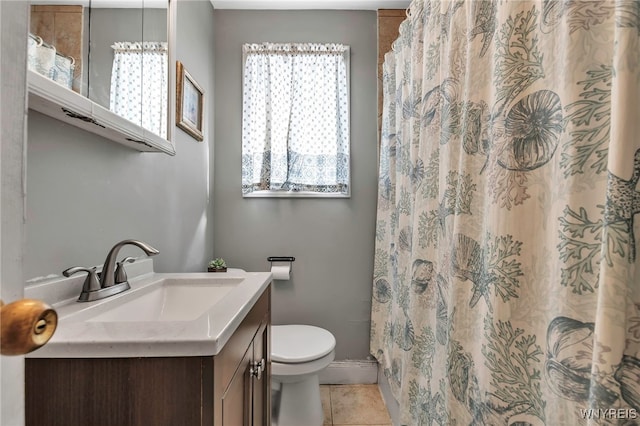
[(300, 343)]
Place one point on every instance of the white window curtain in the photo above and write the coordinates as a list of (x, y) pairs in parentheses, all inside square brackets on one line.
[(295, 134), (139, 84)]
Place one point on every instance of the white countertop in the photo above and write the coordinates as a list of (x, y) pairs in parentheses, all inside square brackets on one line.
[(77, 337)]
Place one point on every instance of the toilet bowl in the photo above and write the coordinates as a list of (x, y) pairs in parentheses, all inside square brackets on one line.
[(298, 354)]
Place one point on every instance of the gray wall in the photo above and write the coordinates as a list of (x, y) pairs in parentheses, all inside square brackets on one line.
[(332, 239), (85, 193)]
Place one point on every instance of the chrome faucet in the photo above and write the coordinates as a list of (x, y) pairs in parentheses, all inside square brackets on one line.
[(107, 277), (111, 280)]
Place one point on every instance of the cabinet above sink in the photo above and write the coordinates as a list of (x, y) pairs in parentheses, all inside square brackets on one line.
[(49, 98), (115, 78)]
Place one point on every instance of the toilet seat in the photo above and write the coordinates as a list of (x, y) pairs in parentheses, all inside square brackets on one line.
[(294, 344)]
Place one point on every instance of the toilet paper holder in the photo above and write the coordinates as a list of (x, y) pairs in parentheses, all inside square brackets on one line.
[(289, 259), (281, 259), (282, 274)]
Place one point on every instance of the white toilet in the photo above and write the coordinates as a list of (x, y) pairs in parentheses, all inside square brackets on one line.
[(298, 354)]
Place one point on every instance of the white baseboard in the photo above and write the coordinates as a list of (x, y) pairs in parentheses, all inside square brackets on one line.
[(350, 372)]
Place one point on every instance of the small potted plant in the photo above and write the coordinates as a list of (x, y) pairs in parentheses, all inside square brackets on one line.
[(217, 265)]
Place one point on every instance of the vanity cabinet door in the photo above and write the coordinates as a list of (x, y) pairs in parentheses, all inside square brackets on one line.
[(236, 402), (242, 371), (246, 400)]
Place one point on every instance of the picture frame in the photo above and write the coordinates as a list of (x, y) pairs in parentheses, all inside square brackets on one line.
[(189, 103)]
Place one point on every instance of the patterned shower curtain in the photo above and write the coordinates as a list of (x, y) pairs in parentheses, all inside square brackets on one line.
[(506, 287)]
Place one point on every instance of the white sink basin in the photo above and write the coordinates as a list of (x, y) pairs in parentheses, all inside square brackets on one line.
[(173, 300), (184, 314)]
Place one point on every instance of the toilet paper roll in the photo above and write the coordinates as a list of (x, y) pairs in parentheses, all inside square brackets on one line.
[(25, 325), (281, 272)]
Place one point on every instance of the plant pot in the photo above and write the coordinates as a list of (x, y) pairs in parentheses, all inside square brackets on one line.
[(217, 270)]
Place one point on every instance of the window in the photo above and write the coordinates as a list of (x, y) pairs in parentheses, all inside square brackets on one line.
[(295, 128), (139, 81)]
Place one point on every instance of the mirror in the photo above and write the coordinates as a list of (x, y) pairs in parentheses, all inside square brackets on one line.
[(128, 62), (114, 52)]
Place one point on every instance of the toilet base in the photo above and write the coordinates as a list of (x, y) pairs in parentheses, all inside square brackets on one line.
[(297, 404)]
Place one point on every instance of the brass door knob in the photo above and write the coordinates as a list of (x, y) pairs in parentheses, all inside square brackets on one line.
[(25, 325)]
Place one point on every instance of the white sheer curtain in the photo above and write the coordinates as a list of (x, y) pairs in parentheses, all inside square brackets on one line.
[(139, 84), (295, 132)]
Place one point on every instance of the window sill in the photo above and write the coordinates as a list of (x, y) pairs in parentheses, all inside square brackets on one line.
[(294, 194)]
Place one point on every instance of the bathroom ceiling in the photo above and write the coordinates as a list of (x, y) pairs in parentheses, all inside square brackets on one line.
[(249, 4), (311, 4)]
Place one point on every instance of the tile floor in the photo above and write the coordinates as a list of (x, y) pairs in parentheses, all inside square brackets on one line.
[(353, 405)]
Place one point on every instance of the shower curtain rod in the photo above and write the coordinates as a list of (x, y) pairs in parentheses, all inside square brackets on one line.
[(40, 42)]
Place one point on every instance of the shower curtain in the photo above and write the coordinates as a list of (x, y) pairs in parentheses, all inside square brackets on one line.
[(506, 287)]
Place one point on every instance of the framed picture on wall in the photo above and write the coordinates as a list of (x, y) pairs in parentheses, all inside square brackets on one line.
[(189, 103)]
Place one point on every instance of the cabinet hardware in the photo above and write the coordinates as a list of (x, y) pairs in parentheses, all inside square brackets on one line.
[(257, 368)]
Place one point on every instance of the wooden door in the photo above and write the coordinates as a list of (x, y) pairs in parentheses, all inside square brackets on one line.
[(15, 25), (389, 21)]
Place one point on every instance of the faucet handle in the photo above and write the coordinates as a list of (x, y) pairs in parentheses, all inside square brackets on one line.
[(121, 274), (91, 283)]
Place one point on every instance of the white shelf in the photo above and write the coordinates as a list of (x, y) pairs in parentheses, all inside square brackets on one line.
[(56, 101)]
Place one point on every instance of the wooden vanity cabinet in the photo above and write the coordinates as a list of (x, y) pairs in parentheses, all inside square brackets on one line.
[(230, 389)]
